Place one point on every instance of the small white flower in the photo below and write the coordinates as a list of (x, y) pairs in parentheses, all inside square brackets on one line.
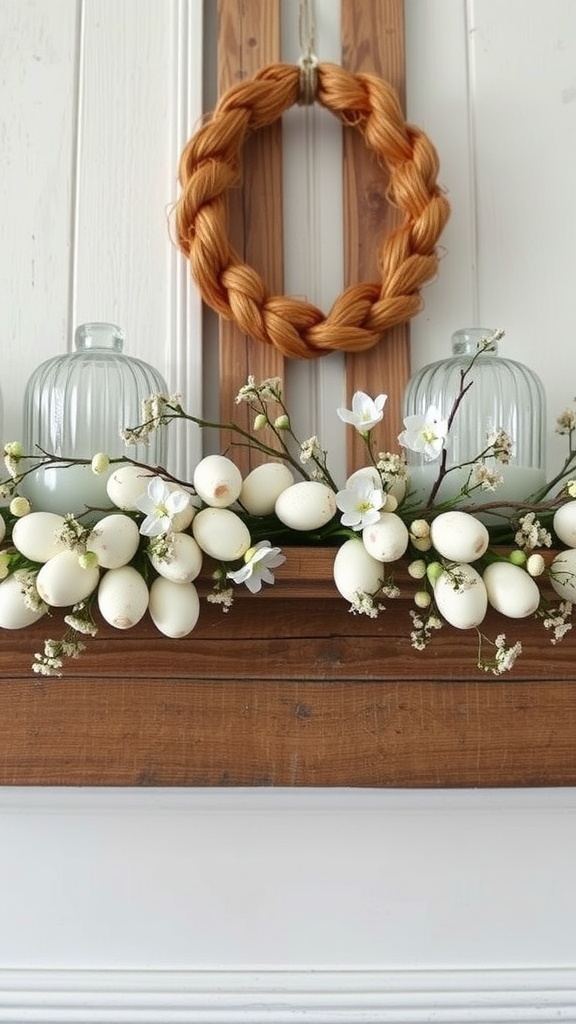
[(258, 561), (366, 412), (425, 434), (160, 505), (361, 503), (488, 479)]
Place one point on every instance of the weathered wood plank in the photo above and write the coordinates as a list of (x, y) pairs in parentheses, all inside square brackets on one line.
[(249, 38), (372, 41), (124, 731)]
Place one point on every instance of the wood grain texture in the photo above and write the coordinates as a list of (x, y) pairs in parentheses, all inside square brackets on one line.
[(372, 41), (249, 38), (289, 690)]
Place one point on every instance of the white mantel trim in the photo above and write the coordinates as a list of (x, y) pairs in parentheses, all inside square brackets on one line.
[(288, 997)]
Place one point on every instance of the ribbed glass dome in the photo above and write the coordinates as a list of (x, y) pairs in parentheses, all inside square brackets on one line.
[(504, 395), (76, 405)]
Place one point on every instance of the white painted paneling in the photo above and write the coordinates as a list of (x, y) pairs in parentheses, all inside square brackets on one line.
[(389, 905), (438, 100), (140, 92), (37, 114), (313, 230), (494, 84)]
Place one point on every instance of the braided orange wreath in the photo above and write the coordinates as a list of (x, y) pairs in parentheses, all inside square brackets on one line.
[(210, 165)]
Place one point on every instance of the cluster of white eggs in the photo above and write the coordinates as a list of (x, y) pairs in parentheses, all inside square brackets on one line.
[(462, 593), (65, 577)]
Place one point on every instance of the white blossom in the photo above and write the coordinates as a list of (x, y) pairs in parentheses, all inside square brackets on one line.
[(258, 561), (425, 434), (160, 505), (366, 412)]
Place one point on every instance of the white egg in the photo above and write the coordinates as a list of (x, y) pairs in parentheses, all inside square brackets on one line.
[(217, 480), (181, 521), (184, 562), (126, 484), (14, 613), (62, 581), (263, 485), (459, 536), (221, 533), (387, 539), (511, 591), (174, 607), (564, 523), (122, 597), (114, 539), (34, 535), (307, 505), (366, 473), (563, 574), (461, 596), (355, 571)]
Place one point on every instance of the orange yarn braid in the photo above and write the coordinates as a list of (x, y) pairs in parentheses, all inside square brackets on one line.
[(210, 165)]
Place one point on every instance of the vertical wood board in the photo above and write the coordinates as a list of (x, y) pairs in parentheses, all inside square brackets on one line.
[(372, 41), (248, 38)]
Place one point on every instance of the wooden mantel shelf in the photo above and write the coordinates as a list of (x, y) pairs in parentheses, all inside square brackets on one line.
[(289, 689)]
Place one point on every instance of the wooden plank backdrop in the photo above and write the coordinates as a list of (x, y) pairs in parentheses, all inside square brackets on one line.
[(289, 689), (248, 38), (372, 41)]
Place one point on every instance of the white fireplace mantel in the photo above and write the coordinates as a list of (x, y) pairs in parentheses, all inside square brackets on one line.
[(325, 906)]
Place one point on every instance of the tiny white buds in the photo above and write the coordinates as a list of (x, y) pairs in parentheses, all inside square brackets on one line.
[(419, 528), (417, 569), (19, 506), (100, 463), (13, 449), (535, 565), (421, 543)]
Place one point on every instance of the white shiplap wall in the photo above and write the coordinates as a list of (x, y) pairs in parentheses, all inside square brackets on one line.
[(112, 905)]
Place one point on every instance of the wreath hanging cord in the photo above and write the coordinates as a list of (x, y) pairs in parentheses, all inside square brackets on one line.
[(210, 164)]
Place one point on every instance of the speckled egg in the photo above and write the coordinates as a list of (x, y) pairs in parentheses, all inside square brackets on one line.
[(14, 613), (563, 574), (34, 535), (62, 581), (387, 539), (114, 540), (307, 505), (461, 596), (263, 486), (122, 597), (174, 607), (459, 536), (564, 523), (221, 533), (355, 571), (511, 590), (217, 480)]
